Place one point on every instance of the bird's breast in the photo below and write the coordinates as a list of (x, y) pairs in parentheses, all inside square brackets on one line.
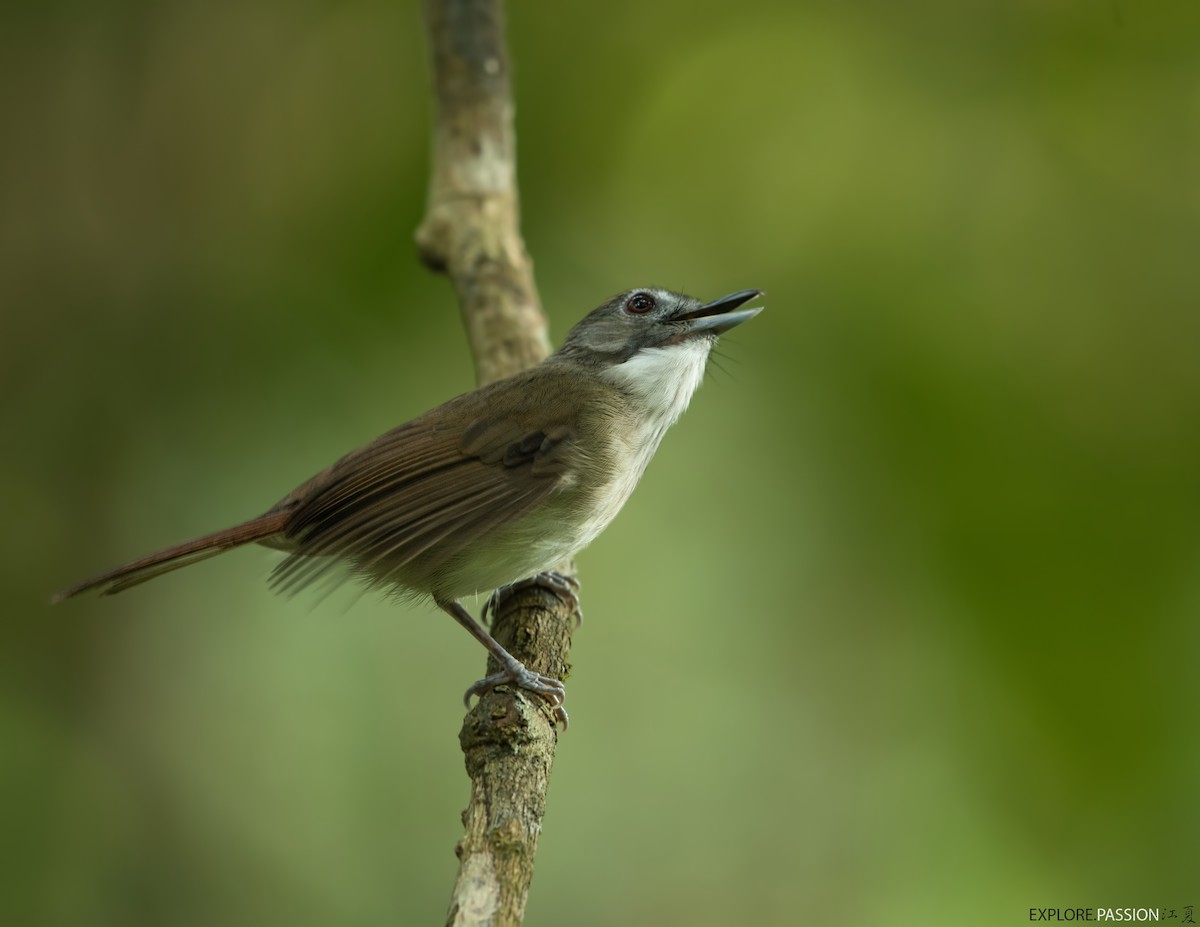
[(621, 466)]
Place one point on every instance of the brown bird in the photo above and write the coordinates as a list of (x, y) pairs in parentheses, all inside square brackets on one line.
[(496, 485)]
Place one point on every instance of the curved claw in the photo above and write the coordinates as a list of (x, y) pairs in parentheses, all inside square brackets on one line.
[(549, 688), (565, 587)]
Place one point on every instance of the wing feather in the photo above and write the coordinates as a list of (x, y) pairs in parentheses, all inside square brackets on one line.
[(418, 497)]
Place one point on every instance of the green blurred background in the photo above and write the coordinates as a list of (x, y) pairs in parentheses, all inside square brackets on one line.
[(901, 627)]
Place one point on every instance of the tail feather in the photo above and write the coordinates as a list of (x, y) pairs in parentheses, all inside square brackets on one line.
[(180, 555)]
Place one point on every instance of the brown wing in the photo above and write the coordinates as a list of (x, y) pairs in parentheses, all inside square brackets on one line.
[(420, 494)]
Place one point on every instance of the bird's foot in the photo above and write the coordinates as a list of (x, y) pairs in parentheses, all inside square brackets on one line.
[(549, 688), (565, 587)]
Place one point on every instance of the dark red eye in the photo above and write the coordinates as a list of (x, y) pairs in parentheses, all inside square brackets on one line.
[(640, 302)]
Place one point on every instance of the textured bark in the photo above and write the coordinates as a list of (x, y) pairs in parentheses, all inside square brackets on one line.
[(471, 232), (471, 228)]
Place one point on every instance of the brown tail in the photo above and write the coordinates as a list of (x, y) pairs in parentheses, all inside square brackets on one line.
[(181, 555)]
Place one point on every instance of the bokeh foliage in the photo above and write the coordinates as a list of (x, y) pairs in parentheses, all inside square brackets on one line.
[(901, 627)]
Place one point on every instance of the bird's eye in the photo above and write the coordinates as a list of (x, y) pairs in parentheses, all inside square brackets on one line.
[(640, 302)]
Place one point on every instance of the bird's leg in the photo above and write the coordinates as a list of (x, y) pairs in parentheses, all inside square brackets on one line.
[(565, 587), (512, 672)]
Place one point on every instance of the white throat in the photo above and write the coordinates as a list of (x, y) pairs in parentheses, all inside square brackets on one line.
[(663, 380)]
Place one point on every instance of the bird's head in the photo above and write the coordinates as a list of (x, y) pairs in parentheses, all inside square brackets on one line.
[(654, 343)]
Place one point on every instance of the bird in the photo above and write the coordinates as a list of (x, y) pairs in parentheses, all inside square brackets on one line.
[(494, 487)]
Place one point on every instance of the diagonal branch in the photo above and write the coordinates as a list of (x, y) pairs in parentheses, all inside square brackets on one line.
[(471, 232)]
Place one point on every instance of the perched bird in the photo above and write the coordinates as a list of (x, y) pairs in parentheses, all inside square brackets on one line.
[(497, 485)]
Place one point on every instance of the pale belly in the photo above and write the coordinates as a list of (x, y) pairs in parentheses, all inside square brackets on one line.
[(561, 527)]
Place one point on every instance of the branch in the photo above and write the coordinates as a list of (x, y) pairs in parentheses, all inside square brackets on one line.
[(471, 228), (471, 232)]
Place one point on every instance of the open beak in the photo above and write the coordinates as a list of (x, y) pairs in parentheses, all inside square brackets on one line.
[(721, 314)]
